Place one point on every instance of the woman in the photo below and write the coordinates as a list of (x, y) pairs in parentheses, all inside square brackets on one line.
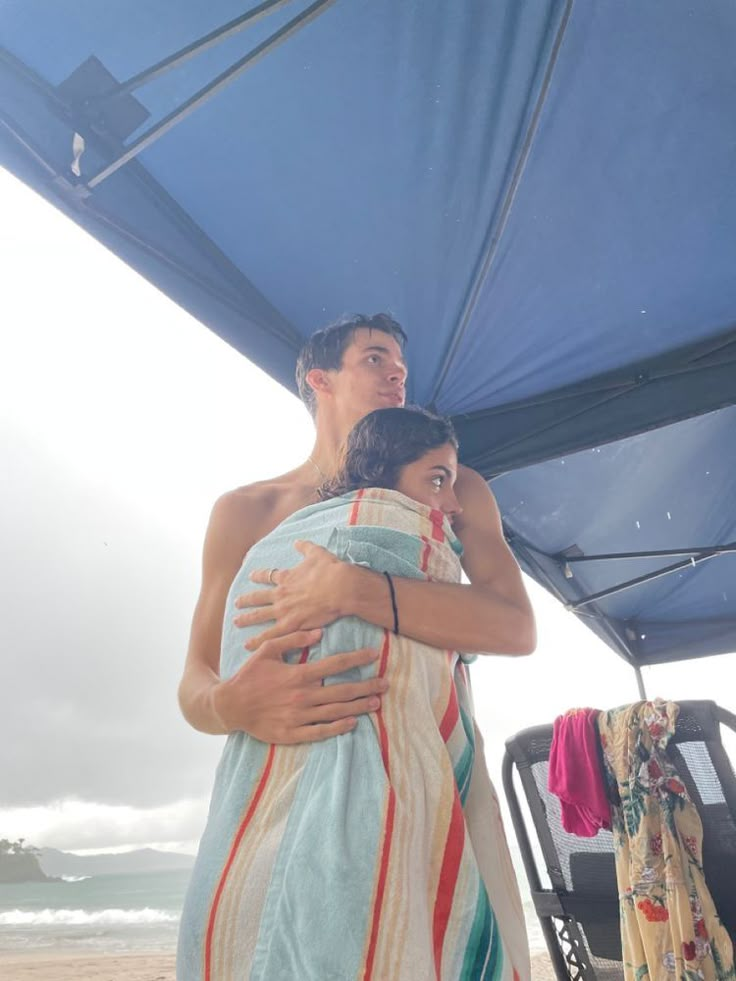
[(370, 855)]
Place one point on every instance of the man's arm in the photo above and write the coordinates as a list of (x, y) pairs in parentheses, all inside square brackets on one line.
[(271, 700), (492, 614), (221, 557)]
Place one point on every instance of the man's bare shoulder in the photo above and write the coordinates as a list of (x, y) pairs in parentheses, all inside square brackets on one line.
[(262, 493), (480, 511), (472, 488), (250, 512)]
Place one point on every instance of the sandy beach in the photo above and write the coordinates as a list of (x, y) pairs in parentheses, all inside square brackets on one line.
[(133, 967), (71, 967)]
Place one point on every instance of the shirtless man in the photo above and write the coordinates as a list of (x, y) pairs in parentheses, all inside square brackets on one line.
[(344, 372)]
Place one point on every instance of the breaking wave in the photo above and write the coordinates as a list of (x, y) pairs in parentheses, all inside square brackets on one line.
[(82, 917)]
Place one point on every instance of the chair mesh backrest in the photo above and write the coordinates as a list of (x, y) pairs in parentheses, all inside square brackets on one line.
[(583, 869), (705, 769)]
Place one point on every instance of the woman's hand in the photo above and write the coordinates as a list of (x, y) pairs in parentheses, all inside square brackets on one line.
[(311, 595)]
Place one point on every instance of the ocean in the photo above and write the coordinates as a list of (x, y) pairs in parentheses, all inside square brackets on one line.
[(94, 914), (133, 913)]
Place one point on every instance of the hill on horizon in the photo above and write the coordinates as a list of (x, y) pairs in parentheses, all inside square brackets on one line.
[(57, 863)]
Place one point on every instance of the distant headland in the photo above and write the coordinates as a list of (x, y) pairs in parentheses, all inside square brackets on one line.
[(19, 862)]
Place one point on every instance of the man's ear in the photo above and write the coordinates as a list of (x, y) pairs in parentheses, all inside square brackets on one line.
[(318, 379)]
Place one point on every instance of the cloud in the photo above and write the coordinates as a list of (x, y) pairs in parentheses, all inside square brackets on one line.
[(81, 825), (117, 435), (97, 602)]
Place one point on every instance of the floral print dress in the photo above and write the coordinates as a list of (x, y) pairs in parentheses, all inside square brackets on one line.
[(669, 925)]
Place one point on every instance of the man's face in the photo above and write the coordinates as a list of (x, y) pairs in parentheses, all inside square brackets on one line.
[(372, 376)]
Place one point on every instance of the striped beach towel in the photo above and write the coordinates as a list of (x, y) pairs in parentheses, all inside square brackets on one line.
[(379, 854)]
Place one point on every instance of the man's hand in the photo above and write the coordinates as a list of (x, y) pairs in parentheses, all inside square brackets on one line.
[(308, 596), (285, 703)]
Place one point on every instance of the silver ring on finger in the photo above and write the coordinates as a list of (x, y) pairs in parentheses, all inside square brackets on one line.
[(270, 576)]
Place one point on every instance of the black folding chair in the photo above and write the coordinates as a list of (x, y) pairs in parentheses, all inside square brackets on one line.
[(580, 913)]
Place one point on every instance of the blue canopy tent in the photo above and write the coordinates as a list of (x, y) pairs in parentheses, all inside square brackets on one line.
[(542, 192)]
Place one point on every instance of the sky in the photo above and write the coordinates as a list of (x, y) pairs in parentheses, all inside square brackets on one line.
[(122, 419)]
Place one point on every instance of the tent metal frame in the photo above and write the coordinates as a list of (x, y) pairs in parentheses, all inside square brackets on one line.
[(530, 554), (531, 557), (203, 43), (204, 94), (234, 293), (697, 555), (637, 398)]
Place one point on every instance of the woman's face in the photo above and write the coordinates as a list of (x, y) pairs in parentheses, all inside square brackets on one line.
[(431, 480)]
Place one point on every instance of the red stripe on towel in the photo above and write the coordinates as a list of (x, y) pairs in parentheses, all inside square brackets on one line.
[(437, 518), (448, 879), (452, 713), (424, 561), (382, 734), (381, 886), (231, 858), (388, 833), (356, 507)]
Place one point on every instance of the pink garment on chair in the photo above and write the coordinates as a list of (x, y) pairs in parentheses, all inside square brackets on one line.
[(575, 774)]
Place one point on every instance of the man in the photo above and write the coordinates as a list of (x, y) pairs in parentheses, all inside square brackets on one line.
[(344, 371)]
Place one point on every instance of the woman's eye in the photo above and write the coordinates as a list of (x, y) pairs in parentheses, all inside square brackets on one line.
[(373, 359), (438, 481)]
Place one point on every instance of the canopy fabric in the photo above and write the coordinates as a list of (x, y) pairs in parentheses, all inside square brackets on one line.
[(670, 490), (541, 192)]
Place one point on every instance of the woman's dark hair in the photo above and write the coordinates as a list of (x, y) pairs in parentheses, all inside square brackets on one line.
[(384, 442)]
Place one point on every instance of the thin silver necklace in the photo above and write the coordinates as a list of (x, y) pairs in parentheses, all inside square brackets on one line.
[(317, 467)]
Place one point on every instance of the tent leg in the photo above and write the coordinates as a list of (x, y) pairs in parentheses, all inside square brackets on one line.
[(640, 683)]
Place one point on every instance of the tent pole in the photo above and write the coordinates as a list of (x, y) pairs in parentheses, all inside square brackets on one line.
[(617, 643), (640, 683), (653, 554), (649, 577), (202, 44), (206, 93)]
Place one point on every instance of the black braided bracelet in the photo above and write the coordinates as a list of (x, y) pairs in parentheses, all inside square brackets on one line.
[(393, 601)]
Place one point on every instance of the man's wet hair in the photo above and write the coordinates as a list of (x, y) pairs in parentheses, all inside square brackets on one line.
[(382, 443), (326, 347)]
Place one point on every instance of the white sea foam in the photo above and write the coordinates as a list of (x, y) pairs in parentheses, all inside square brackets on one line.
[(75, 878), (83, 917)]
